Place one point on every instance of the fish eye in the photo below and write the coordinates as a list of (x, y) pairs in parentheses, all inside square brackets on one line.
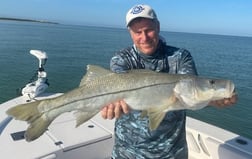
[(212, 82)]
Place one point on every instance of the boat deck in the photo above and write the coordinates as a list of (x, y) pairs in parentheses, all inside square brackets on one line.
[(94, 139)]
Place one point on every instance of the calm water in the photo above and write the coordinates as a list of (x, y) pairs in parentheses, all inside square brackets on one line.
[(71, 48)]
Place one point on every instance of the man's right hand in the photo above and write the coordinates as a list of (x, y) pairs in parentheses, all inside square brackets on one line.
[(115, 110)]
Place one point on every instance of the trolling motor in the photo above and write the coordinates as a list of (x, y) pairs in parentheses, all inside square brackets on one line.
[(35, 88)]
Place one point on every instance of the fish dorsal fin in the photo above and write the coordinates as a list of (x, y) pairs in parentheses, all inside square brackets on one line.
[(93, 71)]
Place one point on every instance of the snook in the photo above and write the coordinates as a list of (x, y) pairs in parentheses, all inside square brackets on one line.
[(153, 93)]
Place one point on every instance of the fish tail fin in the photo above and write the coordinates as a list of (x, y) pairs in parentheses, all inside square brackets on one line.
[(30, 113), (25, 112), (37, 128)]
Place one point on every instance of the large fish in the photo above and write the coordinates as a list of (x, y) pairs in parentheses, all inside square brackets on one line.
[(153, 93)]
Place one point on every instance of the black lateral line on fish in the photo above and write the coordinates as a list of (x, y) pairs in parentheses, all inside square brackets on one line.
[(111, 93)]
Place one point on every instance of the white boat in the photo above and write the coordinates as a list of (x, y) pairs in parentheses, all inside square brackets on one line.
[(94, 139)]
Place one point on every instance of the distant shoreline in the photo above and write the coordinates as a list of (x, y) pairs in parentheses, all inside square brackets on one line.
[(27, 20)]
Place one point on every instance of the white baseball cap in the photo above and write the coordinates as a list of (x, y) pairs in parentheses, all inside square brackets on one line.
[(138, 11)]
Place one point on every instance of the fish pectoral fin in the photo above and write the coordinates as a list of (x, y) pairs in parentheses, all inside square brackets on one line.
[(156, 115), (82, 117)]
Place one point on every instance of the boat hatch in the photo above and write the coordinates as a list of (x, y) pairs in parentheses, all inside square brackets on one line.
[(18, 135)]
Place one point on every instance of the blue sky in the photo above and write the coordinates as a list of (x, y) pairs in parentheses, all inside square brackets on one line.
[(228, 17)]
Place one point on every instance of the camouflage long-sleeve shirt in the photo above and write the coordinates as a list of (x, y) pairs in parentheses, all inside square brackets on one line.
[(133, 138)]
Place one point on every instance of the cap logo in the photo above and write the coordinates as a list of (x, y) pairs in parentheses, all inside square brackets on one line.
[(137, 9)]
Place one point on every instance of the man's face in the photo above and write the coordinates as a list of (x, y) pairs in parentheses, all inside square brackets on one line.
[(145, 35)]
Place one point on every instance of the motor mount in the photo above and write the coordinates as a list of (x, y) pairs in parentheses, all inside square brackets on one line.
[(37, 87)]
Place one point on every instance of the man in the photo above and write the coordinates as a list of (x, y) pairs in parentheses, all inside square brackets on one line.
[(133, 138)]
